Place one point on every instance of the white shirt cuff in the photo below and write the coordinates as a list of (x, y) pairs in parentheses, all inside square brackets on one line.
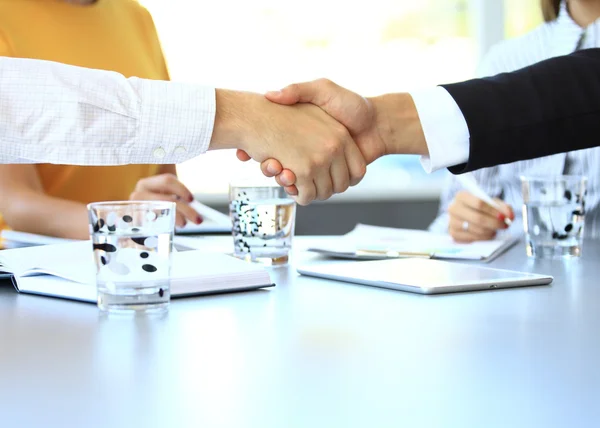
[(445, 128), (178, 118)]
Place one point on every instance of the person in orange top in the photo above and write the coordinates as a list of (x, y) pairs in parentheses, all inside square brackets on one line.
[(116, 35)]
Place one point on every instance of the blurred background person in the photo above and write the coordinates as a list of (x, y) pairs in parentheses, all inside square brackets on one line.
[(117, 35), (569, 26)]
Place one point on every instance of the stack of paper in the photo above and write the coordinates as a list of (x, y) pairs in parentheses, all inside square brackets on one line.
[(373, 242)]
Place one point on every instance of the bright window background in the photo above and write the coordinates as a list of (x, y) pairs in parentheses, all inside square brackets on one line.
[(370, 47), (521, 16)]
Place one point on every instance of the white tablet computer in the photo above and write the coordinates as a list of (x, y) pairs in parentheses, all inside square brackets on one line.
[(424, 276)]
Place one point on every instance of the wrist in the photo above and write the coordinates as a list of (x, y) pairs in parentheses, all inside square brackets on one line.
[(231, 127), (382, 121), (399, 125)]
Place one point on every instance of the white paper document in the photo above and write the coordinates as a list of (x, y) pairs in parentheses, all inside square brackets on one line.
[(374, 242), (16, 239), (213, 221)]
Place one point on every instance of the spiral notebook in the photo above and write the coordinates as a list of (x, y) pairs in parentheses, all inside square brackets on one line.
[(67, 271)]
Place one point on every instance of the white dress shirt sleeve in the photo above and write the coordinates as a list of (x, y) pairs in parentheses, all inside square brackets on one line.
[(445, 128), (56, 113)]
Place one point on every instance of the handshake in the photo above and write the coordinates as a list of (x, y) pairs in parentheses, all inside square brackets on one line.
[(316, 138)]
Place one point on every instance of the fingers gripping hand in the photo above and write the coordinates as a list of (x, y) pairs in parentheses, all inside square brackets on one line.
[(350, 109), (308, 142), (272, 168), (242, 155)]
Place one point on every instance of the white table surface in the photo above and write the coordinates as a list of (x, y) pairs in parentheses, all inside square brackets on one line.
[(313, 353)]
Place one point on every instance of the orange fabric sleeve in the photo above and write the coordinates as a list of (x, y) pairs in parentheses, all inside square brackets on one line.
[(154, 41), (5, 45)]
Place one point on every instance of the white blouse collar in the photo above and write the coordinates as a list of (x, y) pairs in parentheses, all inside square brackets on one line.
[(567, 33)]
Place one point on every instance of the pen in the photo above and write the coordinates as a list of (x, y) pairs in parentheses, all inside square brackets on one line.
[(468, 181), (391, 253)]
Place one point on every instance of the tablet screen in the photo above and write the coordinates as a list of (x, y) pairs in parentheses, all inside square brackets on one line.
[(420, 273), (433, 273)]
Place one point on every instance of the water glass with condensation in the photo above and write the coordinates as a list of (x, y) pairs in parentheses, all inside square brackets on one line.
[(554, 215), (132, 243), (263, 220)]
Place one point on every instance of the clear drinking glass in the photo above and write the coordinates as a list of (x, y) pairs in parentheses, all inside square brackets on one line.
[(554, 215), (263, 219), (132, 242)]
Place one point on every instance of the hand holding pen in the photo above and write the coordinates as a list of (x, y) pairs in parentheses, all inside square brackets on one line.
[(474, 215)]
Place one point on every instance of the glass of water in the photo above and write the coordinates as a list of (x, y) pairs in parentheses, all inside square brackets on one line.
[(132, 243), (554, 215), (263, 219)]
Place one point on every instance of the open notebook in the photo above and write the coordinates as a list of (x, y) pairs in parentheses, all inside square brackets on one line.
[(366, 242), (68, 271)]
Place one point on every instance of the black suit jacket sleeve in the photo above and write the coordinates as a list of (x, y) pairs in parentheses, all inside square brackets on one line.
[(547, 108)]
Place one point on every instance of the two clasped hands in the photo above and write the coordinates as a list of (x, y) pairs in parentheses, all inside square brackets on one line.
[(315, 138), (318, 138), (342, 136)]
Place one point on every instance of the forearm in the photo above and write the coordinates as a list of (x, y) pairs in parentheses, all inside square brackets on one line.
[(399, 125), (42, 214), (247, 121), (234, 119)]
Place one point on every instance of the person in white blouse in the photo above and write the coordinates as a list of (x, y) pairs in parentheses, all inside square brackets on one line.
[(569, 26)]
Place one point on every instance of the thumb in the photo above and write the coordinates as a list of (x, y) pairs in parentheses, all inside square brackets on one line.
[(307, 92), (347, 107), (285, 97)]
